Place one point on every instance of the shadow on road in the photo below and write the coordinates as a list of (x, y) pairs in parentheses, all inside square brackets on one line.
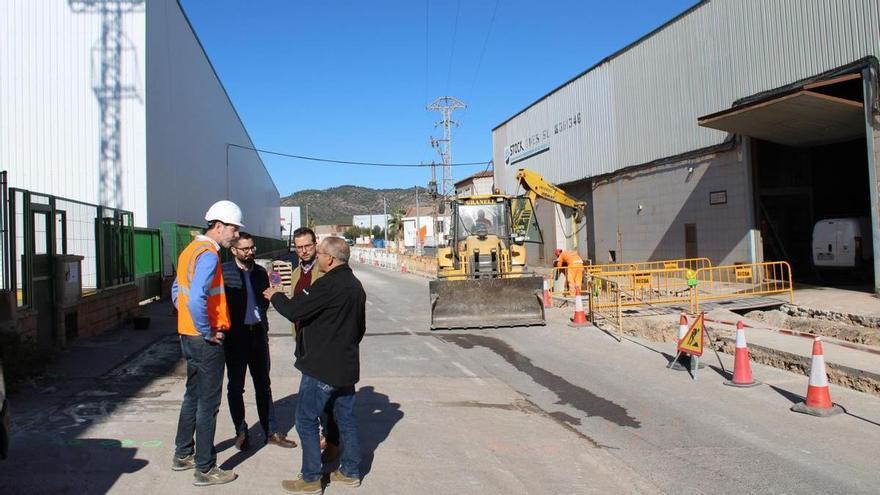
[(50, 449)]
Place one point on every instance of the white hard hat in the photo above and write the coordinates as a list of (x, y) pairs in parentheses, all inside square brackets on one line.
[(226, 211)]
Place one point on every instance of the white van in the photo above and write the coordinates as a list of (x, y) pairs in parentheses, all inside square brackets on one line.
[(843, 243)]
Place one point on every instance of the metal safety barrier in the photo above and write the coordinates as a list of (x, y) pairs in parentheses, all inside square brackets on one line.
[(742, 280), (680, 265), (604, 302), (650, 287), (684, 263), (419, 265)]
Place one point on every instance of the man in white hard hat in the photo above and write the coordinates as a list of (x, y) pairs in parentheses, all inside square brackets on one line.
[(202, 319)]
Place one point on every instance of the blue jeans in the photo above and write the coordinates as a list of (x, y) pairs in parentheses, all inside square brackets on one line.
[(313, 398), (201, 401)]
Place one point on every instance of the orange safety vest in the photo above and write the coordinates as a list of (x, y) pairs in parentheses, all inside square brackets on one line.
[(218, 311)]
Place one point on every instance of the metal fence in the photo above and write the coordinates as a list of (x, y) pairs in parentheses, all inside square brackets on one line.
[(743, 281), (605, 302), (42, 224), (647, 275)]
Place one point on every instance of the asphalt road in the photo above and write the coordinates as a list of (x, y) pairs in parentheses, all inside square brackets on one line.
[(520, 410)]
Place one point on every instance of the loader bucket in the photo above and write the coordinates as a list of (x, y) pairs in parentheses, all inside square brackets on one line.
[(487, 303)]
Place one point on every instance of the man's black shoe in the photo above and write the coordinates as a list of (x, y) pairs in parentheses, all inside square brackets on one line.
[(241, 441)]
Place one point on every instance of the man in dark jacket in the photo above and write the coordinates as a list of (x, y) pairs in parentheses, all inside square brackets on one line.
[(332, 323), (247, 342)]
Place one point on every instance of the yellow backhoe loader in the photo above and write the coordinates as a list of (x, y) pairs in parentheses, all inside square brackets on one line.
[(482, 279)]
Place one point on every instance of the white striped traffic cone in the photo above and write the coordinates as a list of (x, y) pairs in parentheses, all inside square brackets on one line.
[(742, 369), (548, 300), (818, 401), (580, 317)]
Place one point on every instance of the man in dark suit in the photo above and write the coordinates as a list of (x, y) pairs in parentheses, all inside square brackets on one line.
[(247, 342)]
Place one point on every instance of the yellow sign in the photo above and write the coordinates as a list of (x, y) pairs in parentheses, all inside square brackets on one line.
[(743, 273), (692, 342), (641, 280), (670, 265), (593, 269)]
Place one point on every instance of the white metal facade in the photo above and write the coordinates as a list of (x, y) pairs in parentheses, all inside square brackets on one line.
[(50, 119), (174, 128), (642, 104)]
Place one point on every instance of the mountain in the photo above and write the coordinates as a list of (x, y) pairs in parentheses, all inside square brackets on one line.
[(338, 204)]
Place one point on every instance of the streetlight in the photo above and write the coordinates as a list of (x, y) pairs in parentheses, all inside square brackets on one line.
[(385, 216)]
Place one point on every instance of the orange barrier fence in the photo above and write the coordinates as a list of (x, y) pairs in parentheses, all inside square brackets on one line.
[(741, 281), (604, 302), (648, 287), (678, 265)]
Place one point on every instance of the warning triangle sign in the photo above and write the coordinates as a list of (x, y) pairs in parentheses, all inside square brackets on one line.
[(692, 342)]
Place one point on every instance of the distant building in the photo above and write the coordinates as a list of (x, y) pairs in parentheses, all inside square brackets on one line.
[(290, 220), (324, 231), (420, 229), (479, 183), (370, 220)]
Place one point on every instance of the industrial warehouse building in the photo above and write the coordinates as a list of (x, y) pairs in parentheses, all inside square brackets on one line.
[(112, 118), (726, 133)]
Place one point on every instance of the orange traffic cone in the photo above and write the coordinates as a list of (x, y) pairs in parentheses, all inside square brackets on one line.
[(818, 402), (742, 369), (580, 317), (548, 301)]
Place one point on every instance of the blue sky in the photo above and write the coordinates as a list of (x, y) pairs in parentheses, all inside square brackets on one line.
[(350, 80)]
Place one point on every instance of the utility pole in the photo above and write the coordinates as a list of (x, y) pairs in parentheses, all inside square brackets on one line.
[(445, 105), (418, 223), (110, 90), (385, 216), (307, 216)]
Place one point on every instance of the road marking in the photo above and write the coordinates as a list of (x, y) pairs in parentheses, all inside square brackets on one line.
[(393, 319), (409, 331), (380, 310), (469, 373), (432, 347), (464, 370)]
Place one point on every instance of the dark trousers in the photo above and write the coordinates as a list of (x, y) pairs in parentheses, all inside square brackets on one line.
[(248, 348), (314, 395), (201, 401)]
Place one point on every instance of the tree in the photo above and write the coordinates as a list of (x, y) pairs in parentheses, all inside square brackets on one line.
[(352, 233), (395, 224), (311, 223), (377, 232)]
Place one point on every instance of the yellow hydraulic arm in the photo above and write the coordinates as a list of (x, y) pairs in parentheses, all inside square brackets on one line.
[(535, 187)]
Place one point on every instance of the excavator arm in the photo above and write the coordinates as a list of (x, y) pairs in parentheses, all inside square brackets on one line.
[(536, 187)]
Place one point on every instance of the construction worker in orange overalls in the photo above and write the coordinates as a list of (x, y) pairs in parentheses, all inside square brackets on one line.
[(574, 274)]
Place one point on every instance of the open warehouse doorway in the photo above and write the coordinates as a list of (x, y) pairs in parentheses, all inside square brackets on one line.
[(810, 162)]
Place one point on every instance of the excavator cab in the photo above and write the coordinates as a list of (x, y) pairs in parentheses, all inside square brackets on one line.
[(482, 278)]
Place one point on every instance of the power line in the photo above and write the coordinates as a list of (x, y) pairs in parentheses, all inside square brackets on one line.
[(452, 51), (342, 162), (483, 51)]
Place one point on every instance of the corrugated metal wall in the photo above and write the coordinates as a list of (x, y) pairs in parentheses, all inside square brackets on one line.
[(190, 121), (49, 114), (643, 104)]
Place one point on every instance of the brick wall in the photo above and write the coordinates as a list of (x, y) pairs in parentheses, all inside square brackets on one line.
[(105, 310)]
